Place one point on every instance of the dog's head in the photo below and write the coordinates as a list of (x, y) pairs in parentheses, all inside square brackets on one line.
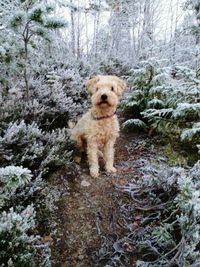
[(105, 90)]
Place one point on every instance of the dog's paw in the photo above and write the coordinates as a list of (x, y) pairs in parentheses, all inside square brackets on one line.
[(111, 169), (94, 173)]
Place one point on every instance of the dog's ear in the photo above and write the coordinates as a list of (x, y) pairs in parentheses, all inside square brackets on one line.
[(121, 85), (91, 84)]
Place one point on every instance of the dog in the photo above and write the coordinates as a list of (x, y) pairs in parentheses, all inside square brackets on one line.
[(98, 129)]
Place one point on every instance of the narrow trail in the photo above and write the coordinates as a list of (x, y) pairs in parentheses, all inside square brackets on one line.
[(89, 212)]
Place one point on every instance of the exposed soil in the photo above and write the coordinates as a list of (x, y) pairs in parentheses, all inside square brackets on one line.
[(88, 213)]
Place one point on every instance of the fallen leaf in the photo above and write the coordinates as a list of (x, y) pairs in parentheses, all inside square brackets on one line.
[(128, 246), (77, 159), (47, 238)]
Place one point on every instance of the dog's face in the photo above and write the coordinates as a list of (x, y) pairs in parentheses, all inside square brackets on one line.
[(105, 90)]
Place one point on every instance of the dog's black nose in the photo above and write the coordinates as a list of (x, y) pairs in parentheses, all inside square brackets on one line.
[(104, 97)]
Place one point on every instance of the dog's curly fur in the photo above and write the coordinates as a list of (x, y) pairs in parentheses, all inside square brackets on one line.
[(98, 129)]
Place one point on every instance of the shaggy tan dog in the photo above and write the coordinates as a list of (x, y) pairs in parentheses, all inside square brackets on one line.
[(98, 129)]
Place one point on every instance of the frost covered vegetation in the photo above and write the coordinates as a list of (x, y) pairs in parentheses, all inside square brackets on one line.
[(165, 100), (161, 218), (48, 49)]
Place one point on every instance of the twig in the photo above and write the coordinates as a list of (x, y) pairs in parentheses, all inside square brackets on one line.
[(161, 206), (181, 244), (174, 249), (168, 218)]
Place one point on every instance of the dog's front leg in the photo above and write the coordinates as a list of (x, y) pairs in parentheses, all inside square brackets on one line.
[(109, 155), (92, 152)]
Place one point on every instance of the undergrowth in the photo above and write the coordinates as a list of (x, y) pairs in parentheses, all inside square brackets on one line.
[(160, 215)]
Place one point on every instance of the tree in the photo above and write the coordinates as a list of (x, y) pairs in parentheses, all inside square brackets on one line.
[(31, 19), (194, 5), (120, 24)]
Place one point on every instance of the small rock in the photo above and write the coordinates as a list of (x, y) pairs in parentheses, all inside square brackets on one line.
[(138, 217), (80, 257), (85, 183)]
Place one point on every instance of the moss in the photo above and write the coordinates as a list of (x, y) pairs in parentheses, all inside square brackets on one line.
[(173, 157)]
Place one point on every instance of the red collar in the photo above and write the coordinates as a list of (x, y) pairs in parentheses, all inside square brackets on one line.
[(103, 117)]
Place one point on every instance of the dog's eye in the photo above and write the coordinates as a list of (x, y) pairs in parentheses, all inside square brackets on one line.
[(112, 88), (97, 89)]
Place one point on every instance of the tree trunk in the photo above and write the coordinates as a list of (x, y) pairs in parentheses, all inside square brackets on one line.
[(72, 27), (86, 32), (97, 29), (26, 63), (78, 33)]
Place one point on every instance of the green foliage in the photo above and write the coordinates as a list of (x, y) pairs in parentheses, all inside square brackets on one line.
[(165, 104), (36, 15), (54, 24), (172, 156), (190, 134), (134, 124), (142, 79), (17, 20), (42, 32)]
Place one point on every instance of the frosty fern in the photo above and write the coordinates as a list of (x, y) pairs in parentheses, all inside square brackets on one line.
[(166, 104)]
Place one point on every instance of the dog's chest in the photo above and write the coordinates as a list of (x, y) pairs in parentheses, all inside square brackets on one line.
[(106, 130)]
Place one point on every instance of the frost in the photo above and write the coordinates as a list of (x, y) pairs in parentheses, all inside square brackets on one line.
[(134, 124), (154, 112), (188, 134), (155, 103), (171, 106), (11, 178), (171, 200), (14, 236), (183, 108), (27, 144), (45, 62)]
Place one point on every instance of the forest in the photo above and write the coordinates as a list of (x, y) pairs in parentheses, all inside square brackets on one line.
[(52, 212)]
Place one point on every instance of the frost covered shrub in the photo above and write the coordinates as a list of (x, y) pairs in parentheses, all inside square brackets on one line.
[(9, 111), (18, 245), (27, 145), (160, 215), (170, 232), (114, 66), (145, 76), (66, 91), (11, 178), (134, 124), (165, 103), (55, 106), (55, 99)]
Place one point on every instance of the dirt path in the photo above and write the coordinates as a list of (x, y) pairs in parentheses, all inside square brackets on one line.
[(88, 213)]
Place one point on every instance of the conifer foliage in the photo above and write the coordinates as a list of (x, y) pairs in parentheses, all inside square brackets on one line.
[(169, 105)]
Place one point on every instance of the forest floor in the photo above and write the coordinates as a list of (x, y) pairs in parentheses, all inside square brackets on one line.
[(88, 215)]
